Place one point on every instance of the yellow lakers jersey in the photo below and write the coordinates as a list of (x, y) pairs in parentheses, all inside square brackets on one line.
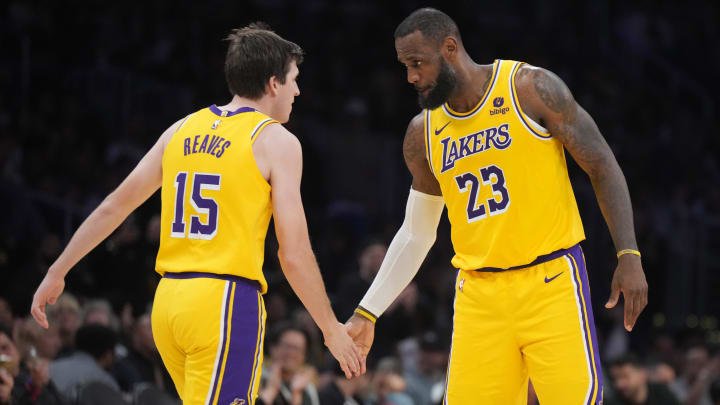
[(503, 178), (216, 204)]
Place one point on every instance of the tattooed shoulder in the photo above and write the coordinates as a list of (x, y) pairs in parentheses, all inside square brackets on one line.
[(414, 143), (553, 92)]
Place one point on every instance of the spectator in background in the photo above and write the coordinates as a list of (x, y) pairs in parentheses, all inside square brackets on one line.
[(66, 315), (388, 384), (94, 356), (715, 392), (286, 379), (99, 312), (142, 363), (24, 382), (398, 321), (28, 335), (426, 381), (6, 315), (699, 370), (630, 380), (341, 391)]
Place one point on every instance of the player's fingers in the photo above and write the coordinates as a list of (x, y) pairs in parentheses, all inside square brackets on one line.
[(52, 300), (353, 363), (614, 296), (360, 359), (629, 311), (639, 303), (344, 367), (38, 312)]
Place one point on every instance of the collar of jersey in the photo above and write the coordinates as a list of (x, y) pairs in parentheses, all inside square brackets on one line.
[(454, 114), (221, 113)]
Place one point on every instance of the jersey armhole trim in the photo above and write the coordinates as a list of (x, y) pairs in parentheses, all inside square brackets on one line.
[(428, 149), (533, 127), (259, 127)]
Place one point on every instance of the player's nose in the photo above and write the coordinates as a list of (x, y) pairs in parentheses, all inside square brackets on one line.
[(412, 77)]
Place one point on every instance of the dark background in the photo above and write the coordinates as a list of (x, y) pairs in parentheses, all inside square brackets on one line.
[(87, 87)]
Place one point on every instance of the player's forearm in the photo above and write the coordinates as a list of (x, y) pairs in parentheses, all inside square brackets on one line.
[(302, 272), (613, 197), (406, 252), (96, 227)]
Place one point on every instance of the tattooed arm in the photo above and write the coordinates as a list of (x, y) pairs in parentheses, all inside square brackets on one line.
[(416, 159), (546, 99)]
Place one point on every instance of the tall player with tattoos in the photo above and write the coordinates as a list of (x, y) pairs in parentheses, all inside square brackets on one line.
[(489, 144)]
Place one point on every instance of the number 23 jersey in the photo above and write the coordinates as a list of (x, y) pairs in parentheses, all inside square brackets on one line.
[(216, 205), (503, 178)]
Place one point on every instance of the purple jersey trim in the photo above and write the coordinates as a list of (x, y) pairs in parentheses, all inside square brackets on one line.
[(450, 112), (540, 259), (220, 112), (516, 104), (199, 274)]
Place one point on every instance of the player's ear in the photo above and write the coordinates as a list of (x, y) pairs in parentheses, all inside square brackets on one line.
[(273, 86), (449, 47)]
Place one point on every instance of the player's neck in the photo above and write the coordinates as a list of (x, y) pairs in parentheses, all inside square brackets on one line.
[(262, 104), (472, 82)]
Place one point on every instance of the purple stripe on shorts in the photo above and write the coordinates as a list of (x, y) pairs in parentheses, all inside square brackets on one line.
[(218, 365), (576, 253), (243, 343), (259, 351)]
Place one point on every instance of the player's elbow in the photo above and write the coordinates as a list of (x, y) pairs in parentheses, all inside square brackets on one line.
[(292, 260)]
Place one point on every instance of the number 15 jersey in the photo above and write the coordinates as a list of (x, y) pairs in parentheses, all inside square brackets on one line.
[(216, 204), (503, 178)]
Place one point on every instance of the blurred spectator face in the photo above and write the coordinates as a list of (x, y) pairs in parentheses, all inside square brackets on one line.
[(143, 338), (695, 359), (66, 315), (6, 315), (97, 317), (629, 380), (45, 341), (152, 231), (662, 373), (371, 259), (10, 353), (290, 350)]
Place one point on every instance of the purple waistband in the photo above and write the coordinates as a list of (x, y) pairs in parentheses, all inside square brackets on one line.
[(540, 259), (199, 274)]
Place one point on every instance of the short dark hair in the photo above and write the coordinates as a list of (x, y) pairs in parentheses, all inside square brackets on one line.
[(628, 359), (254, 55), (432, 23), (95, 340), (286, 326)]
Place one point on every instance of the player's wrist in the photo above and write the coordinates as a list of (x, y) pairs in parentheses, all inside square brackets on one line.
[(628, 253), (363, 313)]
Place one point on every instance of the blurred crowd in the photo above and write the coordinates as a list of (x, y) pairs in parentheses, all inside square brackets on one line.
[(87, 89)]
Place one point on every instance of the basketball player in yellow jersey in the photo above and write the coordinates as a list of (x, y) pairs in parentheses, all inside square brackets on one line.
[(489, 145), (224, 171)]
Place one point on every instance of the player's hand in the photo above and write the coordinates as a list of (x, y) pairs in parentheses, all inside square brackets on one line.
[(344, 350), (363, 332), (47, 293), (629, 279)]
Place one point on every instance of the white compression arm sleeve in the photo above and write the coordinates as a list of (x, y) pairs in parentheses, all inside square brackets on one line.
[(406, 252)]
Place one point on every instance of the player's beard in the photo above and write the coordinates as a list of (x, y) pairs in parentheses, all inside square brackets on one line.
[(440, 92)]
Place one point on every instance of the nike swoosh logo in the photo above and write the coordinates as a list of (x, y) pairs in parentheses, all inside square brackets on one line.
[(437, 131), (547, 280)]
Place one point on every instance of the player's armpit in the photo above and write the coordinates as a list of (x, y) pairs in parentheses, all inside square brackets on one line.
[(416, 158)]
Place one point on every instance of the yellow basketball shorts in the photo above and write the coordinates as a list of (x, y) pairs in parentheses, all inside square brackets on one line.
[(209, 330), (534, 322)]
